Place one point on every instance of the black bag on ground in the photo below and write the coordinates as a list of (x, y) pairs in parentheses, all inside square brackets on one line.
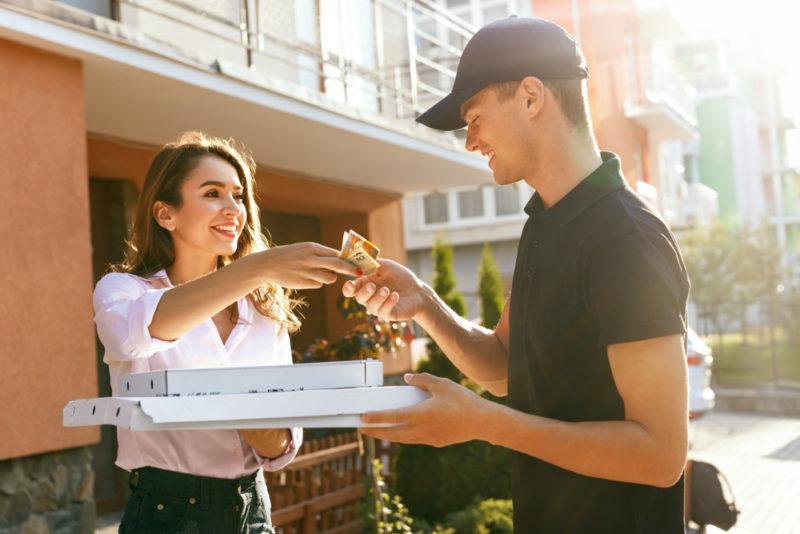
[(709, 503)]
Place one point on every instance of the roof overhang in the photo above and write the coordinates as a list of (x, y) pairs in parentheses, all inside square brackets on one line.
[(145, 95)]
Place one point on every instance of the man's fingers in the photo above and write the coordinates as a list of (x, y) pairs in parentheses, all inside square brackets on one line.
[(425, 381), (374, 304), (349, 288), (396, 434), (365, 292), (352, 287), (389, 417), (385, 311)]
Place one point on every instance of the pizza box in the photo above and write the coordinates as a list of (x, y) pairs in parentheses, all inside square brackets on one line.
[(310, 408), (261, 379)]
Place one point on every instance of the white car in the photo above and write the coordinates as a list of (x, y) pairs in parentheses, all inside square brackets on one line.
[(699, 359)]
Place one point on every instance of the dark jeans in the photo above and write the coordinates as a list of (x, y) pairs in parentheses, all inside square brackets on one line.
[(166, 502)]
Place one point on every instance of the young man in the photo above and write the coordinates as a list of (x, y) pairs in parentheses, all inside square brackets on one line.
[(590, 346)]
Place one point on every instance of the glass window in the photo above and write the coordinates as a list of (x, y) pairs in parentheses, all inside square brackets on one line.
[(470, 203), (435, 207), (506, 200)]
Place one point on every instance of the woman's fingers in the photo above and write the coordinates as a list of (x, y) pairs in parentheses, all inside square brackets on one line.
[(323, 276), (322, 250), (338, 265)]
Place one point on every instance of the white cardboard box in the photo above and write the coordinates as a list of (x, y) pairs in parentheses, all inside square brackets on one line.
[(321, 408), (261, 379)]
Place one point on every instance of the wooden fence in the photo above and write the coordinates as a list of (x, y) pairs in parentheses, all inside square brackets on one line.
[(322, 489)]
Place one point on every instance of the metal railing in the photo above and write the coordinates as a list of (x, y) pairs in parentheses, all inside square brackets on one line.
[(390, 57), (663, 83)]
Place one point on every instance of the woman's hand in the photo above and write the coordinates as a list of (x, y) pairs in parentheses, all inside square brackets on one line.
[(268, 442), (304, 265)]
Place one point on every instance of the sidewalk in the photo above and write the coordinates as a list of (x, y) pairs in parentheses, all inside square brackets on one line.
[(760, 455)]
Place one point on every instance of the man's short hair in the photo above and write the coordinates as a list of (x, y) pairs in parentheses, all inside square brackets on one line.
[(570, 93)]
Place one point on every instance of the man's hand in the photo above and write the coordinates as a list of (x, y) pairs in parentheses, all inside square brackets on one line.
[(452, 415), (392, 293), (268, 442)]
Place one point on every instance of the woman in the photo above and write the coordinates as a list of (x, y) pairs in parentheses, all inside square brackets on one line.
[(199, 287)]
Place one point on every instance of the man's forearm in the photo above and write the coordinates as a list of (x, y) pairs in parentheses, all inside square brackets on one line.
[(615, 450), (475, 350)]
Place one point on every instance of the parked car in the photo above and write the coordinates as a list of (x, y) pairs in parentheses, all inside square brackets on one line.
[(699, 359)]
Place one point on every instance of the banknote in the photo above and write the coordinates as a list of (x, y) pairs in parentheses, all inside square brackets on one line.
[(358, 250)]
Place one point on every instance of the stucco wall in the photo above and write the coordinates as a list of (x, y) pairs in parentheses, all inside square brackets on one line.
[(47, 345)]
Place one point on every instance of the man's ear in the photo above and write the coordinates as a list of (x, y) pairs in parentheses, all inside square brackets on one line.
[(532, 90), (162, 213)]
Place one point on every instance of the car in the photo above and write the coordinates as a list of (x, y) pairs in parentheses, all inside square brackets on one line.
[(699, 360)]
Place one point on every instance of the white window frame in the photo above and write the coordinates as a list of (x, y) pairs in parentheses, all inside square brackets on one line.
[(490, 216)]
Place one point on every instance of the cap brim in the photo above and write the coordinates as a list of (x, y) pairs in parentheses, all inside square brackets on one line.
[(445, 115)]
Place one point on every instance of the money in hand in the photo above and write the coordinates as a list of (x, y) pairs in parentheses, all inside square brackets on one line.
[(360, 252)]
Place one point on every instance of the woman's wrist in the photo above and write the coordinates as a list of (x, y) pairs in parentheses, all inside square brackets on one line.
[(258, 268)]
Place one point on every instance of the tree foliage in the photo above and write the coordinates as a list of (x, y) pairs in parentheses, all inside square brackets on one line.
[(490, 289), (729, 266)]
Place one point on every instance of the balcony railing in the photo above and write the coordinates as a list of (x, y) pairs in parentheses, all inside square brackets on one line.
[(663, 100), (389, 57)]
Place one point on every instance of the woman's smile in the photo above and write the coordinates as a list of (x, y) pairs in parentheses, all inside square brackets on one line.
[(229, 232)]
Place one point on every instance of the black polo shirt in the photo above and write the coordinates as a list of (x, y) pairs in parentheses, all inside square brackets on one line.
[(597, 268)]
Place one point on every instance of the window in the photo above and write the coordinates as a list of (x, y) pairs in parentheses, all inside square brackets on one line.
[(470, 203), (435, 208), (506, 200)]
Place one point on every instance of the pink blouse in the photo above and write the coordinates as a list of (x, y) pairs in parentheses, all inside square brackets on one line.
[(124, 305)]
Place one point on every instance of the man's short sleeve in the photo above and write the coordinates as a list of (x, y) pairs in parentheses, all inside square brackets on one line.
[(638, 288)]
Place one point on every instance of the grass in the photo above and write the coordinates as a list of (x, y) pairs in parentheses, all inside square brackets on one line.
[(753, 358)]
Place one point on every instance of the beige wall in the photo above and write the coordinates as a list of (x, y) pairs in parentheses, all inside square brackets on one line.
[(47, 348)]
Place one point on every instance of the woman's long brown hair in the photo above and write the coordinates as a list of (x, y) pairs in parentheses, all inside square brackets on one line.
[(149, 247)]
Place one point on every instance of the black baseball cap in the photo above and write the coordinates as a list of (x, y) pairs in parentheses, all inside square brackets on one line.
[(505, 51)]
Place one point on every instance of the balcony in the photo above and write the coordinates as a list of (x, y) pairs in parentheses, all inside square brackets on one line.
[(340, 80), (663, 103), (391, 58)]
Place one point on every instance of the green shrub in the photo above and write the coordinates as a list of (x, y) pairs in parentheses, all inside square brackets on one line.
[(492, 516), (434, 482), (490, 289)]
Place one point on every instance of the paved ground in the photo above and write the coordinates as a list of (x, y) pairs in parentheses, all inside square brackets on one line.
[(760, 455), (108, 524)]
